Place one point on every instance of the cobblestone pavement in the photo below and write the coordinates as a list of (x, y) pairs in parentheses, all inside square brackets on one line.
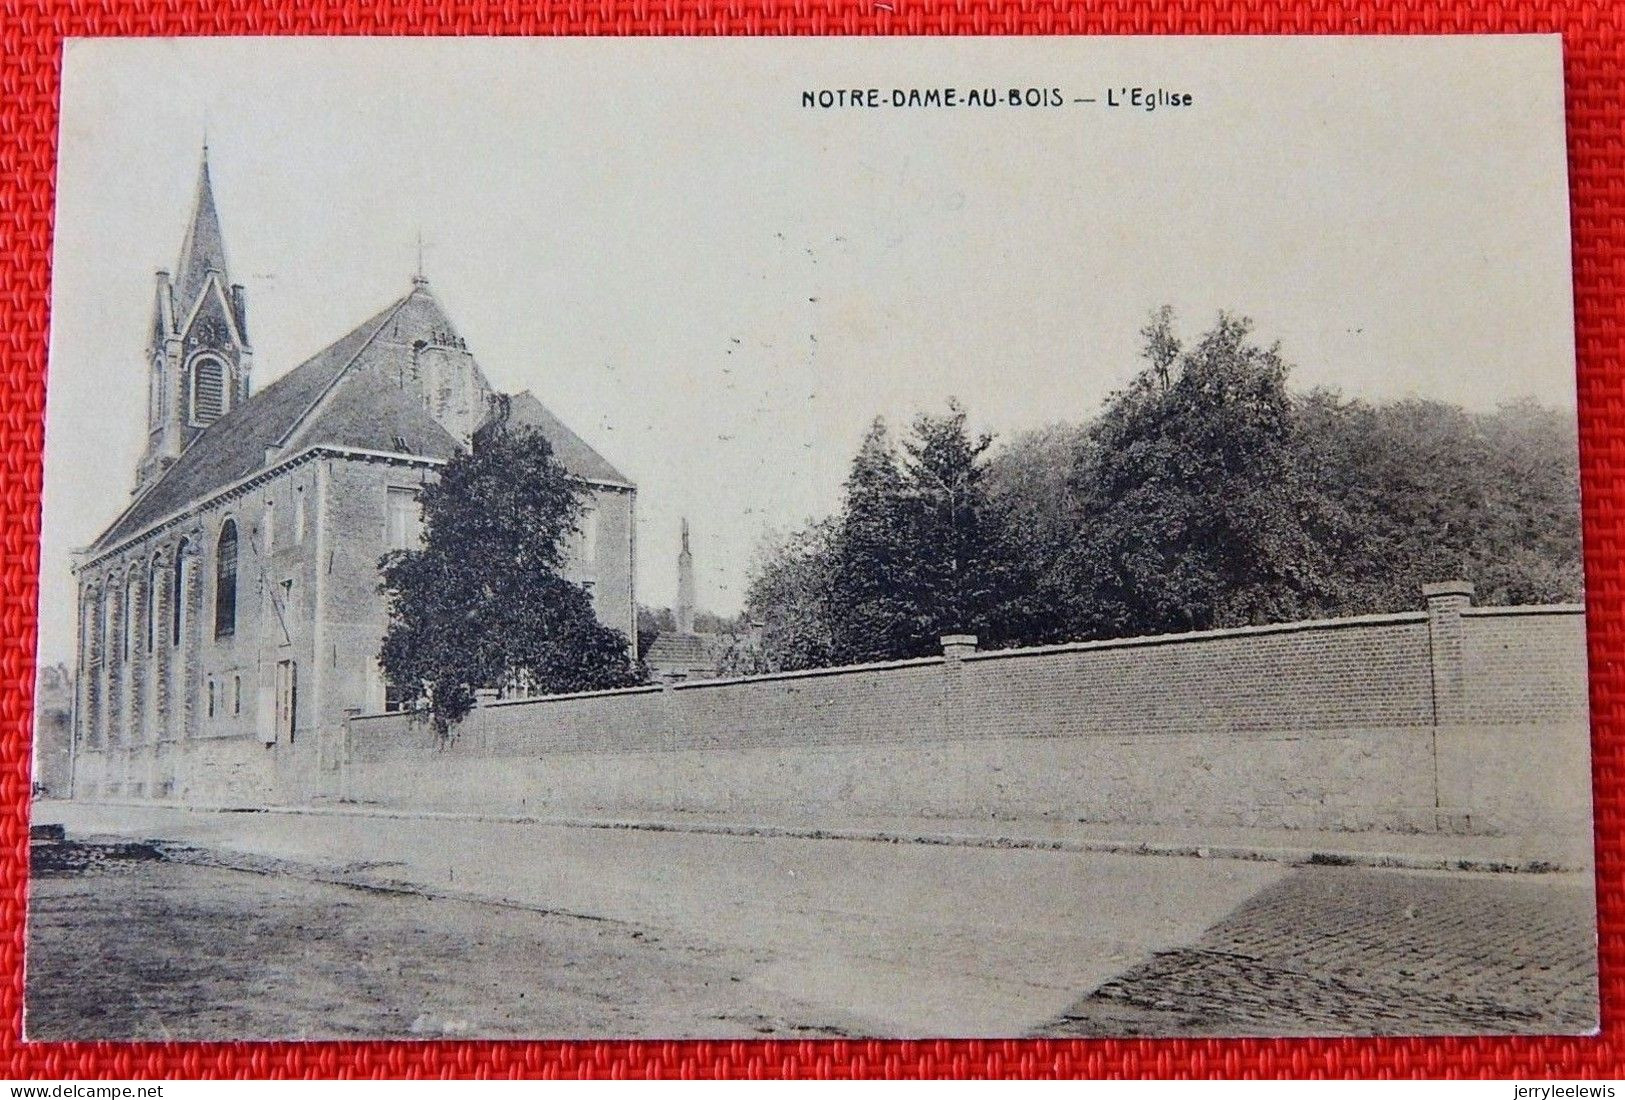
[(1339, 951)]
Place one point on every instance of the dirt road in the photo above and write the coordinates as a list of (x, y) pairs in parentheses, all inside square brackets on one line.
[(264, 925), (138, 948)]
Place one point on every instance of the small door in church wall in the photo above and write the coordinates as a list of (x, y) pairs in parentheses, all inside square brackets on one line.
[(287, 700)]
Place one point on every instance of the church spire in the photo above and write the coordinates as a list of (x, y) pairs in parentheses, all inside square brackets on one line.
[(204, 249), (199, 362), (685, 586)]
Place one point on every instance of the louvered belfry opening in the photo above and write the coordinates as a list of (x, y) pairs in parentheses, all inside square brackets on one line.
[(208, 390)]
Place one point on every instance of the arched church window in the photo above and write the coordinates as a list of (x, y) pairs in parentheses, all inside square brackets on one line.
[(104, 632), (225, 581), (154, 577), (177, 588), (209, 398)]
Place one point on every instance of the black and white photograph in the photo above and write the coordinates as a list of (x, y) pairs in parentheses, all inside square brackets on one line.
[(794, 538)]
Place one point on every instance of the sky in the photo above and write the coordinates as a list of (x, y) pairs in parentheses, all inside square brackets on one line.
[(719, 288)]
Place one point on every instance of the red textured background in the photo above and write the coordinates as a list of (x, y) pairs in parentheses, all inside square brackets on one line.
[(31, 33)]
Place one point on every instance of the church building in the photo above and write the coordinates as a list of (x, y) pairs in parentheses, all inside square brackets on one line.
[(230, 618)]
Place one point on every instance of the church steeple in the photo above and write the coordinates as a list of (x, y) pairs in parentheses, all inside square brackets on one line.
[(685, 586), (198, 356), (203, 250)]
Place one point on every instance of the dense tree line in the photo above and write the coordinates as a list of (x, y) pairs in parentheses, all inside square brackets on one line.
[(1206, 493)]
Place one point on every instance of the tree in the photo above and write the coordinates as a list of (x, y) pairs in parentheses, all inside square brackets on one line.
[(1197, 513), (790, 598), (1162, 345), (872, 565), (1430, 491), (653, 622), (1029, 481), (920, 548), (483, 602), (1529, 549), (965, 573), (1204, 494)]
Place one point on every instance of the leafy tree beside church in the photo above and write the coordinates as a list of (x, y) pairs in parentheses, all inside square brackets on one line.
[(484, 602)]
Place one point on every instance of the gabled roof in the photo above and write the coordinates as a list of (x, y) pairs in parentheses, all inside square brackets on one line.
[(204, 249), (369, 406), (571, 451), (234, 446), (670, 649), (350, 394)]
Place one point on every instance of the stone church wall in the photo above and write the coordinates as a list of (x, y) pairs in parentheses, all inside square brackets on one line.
[(1457, 718), (148, 730)]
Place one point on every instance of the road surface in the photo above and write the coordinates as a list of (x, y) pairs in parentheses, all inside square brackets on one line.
[(275, 925)]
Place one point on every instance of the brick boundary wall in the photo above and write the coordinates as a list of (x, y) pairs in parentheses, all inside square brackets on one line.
[(1455, 718)]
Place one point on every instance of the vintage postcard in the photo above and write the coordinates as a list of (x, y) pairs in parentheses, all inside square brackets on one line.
[(797, 538)]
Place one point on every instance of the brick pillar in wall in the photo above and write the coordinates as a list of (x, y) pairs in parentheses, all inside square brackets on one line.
[(1446, 601), (955, 647)]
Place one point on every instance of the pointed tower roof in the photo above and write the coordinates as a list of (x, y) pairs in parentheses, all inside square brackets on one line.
[(685, 585), (203, 250)]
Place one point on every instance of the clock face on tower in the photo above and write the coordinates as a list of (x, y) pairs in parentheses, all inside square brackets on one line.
[(209, 330)]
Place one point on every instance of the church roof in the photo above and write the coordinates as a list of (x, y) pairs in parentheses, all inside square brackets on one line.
[(571, 451), (671, 650), (341, 397), (204, 249)]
